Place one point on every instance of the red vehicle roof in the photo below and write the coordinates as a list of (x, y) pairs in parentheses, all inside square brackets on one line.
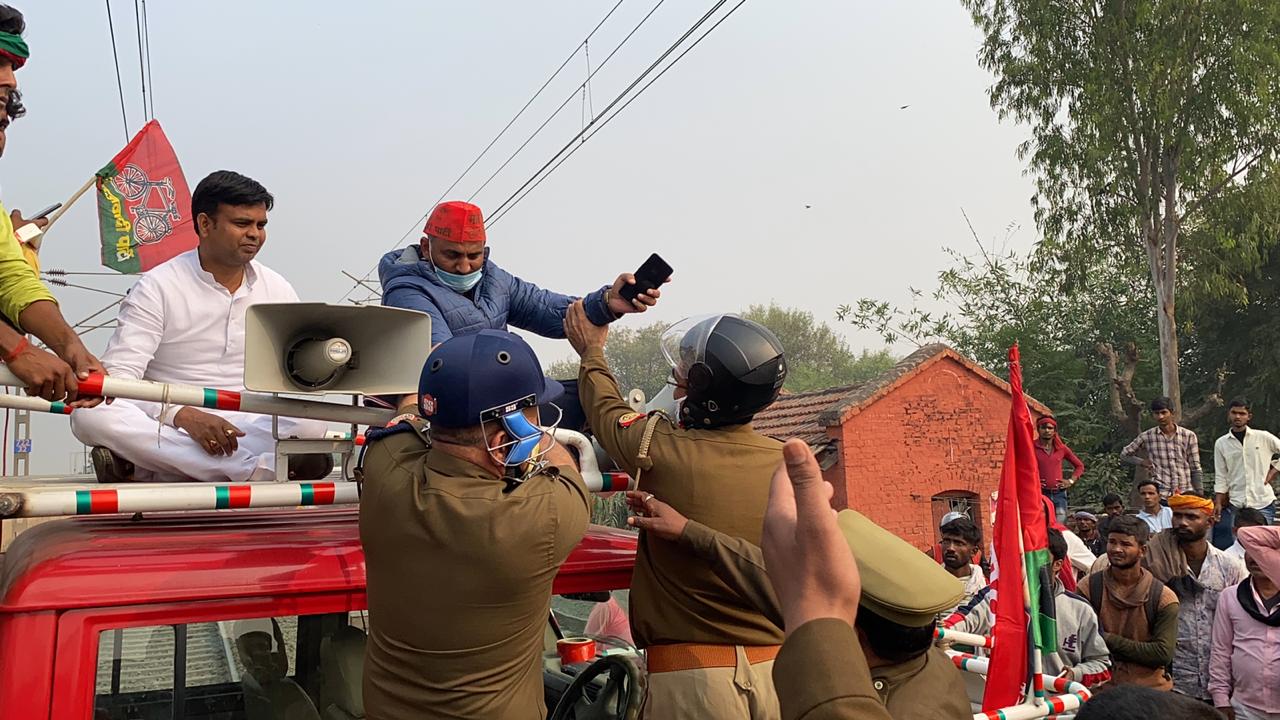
[(185, 557)]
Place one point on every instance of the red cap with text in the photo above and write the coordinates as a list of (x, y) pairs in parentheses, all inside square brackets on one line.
[(456, 221)]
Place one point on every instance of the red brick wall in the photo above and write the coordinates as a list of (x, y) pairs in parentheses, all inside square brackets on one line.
[(941, 430)]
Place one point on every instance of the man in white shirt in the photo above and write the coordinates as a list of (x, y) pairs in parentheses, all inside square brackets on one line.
[(183, 323), (960, 539), (1243, 471), (1158, 517), (1245, 517)]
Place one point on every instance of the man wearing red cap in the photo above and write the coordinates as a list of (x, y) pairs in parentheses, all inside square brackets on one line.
[(449, 276), (1051, 452)]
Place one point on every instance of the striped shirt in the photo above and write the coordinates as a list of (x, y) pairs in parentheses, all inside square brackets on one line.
[(1175, 459)]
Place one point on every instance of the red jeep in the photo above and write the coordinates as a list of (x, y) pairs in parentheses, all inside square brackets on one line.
[(246, 614)]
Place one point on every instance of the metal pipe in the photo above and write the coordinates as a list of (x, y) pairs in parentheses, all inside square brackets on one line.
[(1072, 694), (126, 498), (962, 638), (105, 386)]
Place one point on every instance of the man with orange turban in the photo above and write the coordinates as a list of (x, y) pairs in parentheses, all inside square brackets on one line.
[(1198, 573)]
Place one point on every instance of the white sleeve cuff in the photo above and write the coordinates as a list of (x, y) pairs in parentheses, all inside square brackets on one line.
[(169, 414)]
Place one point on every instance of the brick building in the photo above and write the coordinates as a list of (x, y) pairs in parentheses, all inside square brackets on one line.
[(905, 448)]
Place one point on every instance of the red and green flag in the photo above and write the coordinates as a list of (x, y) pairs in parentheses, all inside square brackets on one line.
[(144, 206), (1025, 622)]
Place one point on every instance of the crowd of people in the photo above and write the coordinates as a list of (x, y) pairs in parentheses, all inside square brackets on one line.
[(1179, 596), (750, 597)]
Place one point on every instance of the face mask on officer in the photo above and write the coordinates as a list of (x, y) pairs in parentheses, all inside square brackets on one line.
[(519, 447)]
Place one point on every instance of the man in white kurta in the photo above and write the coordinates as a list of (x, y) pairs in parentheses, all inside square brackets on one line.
[(180, 324)]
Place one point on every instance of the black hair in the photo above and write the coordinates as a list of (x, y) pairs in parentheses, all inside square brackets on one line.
[(1239, 402), (1133, 702), (965, 529), (1111, 499), (1150, 482), (892, 641), (1057, 544), (13, 107), (1131, 525), (1161, 403), (11, 20), (225, 187), (1248, 517)]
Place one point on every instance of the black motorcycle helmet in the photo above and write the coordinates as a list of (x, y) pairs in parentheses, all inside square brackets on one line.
[(730, 368)]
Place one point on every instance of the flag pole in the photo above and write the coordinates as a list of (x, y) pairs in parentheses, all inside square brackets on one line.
[(35, 241)]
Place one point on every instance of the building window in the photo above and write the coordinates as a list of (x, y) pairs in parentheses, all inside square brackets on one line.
[(961, 501), (275, 667)]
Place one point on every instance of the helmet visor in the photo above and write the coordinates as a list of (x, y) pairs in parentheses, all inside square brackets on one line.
[(685, 343)]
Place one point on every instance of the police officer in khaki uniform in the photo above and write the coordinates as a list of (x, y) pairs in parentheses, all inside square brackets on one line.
[(903, 590), (709, 653), (463, 529)]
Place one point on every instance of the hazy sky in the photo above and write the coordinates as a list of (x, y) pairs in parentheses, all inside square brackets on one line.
[(358, 116)]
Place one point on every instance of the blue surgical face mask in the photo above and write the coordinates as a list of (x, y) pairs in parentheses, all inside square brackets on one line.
[(455, 281), (459, 283)]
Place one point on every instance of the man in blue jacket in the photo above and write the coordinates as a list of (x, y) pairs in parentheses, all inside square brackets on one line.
[(449, 276)]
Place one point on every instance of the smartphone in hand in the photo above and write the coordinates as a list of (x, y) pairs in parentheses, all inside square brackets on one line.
[(651, 274), (46, 212)]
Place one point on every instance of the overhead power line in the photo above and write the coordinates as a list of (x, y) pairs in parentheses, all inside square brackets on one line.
[(567, 100), (519, 113), (115, 55), (573, 145), (146, 38), (142, 68)]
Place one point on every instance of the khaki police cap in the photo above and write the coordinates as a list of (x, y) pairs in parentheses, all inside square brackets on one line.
[(899, 583)]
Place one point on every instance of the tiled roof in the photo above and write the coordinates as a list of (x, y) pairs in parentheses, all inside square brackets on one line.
[(807, 415), (796, 415)]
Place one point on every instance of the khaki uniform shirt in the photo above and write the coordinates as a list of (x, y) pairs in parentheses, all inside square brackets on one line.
[(718, 477), (821, 674), (926, 688), (459, 582)]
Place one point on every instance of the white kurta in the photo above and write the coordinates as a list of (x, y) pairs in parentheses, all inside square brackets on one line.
[(178, 325)]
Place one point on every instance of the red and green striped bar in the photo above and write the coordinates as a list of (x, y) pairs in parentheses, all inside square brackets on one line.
[(60, 408), (221, 399), (232, 496), (94, 502), (614, 481), (318, 493)]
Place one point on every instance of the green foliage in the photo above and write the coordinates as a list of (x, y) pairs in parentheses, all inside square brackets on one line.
[(1144, 116), (997, 300), (817, 357), (634, 356), (1241, 332), (611, 511), (1104, 473)]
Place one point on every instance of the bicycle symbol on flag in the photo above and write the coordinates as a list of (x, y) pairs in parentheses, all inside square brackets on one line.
[(151, 224)]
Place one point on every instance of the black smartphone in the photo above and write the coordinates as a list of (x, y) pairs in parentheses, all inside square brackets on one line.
[(651, 274), (45, 212)]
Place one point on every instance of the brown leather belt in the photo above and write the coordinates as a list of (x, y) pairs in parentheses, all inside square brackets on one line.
[(694, 656)]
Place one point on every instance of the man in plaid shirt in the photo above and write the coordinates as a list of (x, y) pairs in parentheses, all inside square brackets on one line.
[(1173, 452)]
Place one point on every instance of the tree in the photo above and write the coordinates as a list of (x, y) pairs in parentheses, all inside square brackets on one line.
[(634, 355), (1143, 113), (817, 357)]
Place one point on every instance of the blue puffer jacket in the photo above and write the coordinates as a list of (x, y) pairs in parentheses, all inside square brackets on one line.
[(500, 299)]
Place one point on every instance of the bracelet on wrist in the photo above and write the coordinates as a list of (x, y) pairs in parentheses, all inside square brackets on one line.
[(17, 350)]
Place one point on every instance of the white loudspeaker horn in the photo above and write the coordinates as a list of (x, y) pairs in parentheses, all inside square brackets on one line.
[(318, 347)]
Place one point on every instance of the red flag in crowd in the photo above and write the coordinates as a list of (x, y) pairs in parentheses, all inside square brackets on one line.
[(144, 206), (1022, 557)]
